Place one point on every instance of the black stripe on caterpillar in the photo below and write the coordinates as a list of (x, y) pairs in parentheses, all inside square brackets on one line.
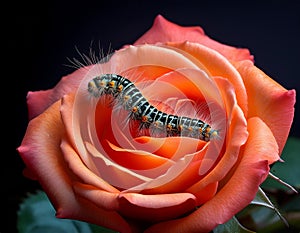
[(132, 100)]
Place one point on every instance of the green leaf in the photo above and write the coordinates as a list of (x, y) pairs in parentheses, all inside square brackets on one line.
[(278, 226), (233, 225), (99, 229), (288, 171), (261, 199), (292, 205), (37, 215)]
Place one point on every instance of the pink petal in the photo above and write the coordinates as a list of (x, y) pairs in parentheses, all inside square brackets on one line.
[(39, 101), (155, 208), (165, 31)]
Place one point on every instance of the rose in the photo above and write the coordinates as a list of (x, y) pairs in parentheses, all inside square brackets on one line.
[(94, 168)]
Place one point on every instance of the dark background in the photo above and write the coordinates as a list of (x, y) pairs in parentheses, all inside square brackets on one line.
[(45, 33)]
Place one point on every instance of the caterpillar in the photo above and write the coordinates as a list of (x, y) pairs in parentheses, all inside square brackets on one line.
[(132, 100)]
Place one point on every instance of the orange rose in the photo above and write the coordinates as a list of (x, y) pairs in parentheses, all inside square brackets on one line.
[(96, 165)]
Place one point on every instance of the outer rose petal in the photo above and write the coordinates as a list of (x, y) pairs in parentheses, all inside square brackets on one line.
[(236, 194), (39, 101), (166, 31), (88, 212), (264, 145), (41, 152), (268, 100), (42, 155)]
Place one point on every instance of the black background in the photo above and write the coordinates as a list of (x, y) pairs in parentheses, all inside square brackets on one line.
[(45, 33)]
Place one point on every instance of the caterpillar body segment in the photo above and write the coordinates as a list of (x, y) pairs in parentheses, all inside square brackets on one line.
[(129, 97)]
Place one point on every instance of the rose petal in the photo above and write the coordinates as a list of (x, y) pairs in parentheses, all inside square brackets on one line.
[(99, 171), (105, 169), (217, 65), (41, 153), (146, 205), (157, 207), (168, 176), (140, 55), (39, 101), (173, 84), (136, 159), (264, 144), (162, 179), (223, 206), (207, 193), (237, 133), (163, 30), (85, 174), (113, 173), (111, 124), (186, 177), (104, 199), (249, 174), (269, 101), (170, 147), (83, 210), (197, 96), (145, 72), (73, 130)]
